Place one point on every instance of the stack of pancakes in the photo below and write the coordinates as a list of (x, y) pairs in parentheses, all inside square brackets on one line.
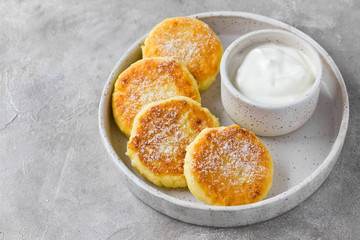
[(156, 103)]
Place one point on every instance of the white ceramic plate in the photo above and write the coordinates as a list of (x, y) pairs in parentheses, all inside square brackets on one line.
[(302, 159)]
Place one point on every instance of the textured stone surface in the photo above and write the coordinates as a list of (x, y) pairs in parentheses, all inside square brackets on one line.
[(56, 180)]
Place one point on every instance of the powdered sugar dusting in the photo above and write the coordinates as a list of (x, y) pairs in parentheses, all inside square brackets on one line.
[(185, 50)]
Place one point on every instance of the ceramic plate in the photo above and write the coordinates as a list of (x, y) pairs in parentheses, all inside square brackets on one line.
[(302, 159)]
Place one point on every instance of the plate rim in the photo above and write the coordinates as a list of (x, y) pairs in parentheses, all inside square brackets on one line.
[(331, 156)]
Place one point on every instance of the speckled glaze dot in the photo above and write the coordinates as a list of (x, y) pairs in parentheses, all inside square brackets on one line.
[(267, 119)]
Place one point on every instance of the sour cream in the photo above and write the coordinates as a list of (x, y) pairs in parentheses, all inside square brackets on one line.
[(274, 74)]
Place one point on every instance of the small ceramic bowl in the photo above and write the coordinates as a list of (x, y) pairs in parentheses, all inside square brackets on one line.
[(262, 118)]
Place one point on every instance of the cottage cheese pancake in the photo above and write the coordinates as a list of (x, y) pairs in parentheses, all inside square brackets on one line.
[(228, 166), (192, 42), (149, 80), (160, 135)]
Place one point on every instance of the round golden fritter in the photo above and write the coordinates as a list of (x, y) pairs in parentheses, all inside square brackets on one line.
[(149, 80), (228, 166), (192, 42), (159, 137)]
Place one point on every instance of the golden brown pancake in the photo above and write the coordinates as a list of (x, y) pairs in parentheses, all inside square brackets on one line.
[(159, 137), (228, 166), (192, 42), (149, 80)]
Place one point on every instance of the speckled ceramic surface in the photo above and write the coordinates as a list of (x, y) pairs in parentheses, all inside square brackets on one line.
[(302, 159), (267, 119)]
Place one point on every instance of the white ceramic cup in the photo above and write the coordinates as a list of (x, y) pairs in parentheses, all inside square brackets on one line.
[(261, 118)]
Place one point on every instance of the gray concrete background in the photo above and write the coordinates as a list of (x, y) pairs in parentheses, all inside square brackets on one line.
[(56, 179)]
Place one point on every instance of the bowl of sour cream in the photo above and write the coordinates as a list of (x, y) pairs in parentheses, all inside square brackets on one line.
[(270, 81)]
